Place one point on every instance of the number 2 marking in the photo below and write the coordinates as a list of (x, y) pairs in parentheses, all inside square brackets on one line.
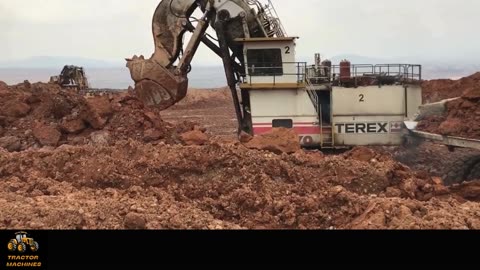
[(362, 98), (287, 50)]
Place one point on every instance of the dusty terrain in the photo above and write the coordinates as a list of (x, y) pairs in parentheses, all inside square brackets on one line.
[(107, 162), (211, 109)]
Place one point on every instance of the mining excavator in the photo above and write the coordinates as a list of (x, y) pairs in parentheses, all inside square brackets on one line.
[(71, 77), (328, 106)]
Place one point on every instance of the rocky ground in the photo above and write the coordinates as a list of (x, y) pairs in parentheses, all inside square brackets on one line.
[(437, 90), (107, 162), (462, 118)]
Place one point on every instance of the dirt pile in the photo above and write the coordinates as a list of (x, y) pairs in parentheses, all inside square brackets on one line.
[(109, 163), (397, 213), (209, 108), (195, 137), (205, 98), (40, 114), (218, 186), (3, 86), (278, 140), (461, 119), (468, 191), (437, 90)]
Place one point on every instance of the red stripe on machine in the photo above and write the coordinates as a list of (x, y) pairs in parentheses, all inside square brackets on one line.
[(298, 130), (295, 124)]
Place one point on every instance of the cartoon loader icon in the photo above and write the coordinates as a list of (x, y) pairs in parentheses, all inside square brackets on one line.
[(20, 243)]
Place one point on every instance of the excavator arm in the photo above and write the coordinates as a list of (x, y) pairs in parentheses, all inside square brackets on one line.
[(157, 81), (162, 80)]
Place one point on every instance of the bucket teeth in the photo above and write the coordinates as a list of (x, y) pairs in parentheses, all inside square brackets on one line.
[(156, 85)]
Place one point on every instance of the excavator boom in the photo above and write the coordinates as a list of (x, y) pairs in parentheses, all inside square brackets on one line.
[(161, 83), (157, 81)]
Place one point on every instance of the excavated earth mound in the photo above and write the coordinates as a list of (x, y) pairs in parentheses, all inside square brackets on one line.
[(36, 115), (462, 118), (437, 90), (205, 98), (278, 140), (219, 186), (108, 162)]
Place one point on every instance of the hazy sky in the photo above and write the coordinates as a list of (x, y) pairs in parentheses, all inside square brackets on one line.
[(115, 29)]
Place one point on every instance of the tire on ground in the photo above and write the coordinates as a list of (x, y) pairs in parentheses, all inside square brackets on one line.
[(461, 170)]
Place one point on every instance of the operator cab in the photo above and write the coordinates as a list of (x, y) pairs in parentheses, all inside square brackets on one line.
[(273, 88), (271, 63), (20, 235)]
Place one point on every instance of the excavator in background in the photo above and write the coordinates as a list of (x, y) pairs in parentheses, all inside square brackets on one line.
[(71, 77)]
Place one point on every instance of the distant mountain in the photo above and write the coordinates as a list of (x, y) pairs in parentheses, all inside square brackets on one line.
[(359, 59), (431, 69), (59, 62)]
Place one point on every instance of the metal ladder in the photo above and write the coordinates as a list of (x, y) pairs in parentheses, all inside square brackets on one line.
[(269, 18), (313, 97), (318, 108)]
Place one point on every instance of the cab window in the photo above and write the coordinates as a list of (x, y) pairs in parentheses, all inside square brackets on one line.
[(265, 62)]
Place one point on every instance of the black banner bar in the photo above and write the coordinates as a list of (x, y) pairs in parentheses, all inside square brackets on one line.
[(211, 247)]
